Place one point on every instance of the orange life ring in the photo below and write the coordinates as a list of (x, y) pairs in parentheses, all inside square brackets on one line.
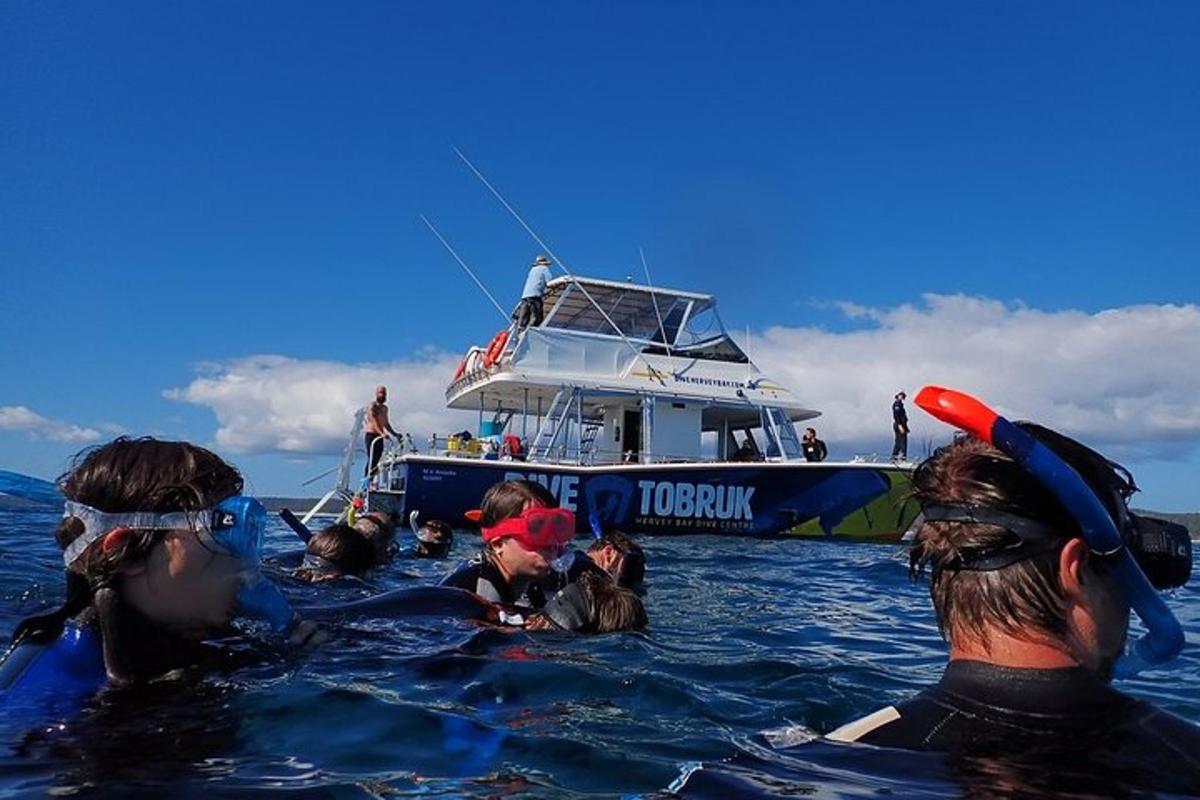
[(495, 349), (458, 373)]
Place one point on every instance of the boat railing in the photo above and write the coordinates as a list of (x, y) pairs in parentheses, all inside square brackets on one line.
[(474, 368)]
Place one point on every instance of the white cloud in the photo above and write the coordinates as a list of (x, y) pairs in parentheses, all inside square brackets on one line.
[(25, 419), (270, 403), (1123, 380)]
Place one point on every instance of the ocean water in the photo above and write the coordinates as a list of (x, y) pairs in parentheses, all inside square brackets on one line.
[(745, 636)]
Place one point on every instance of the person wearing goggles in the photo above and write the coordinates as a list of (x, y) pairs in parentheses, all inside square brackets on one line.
[(1035, 564), (526, 554), (162, 551)]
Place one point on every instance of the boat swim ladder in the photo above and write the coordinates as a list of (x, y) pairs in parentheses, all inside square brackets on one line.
[(556, 421), (343, 480)]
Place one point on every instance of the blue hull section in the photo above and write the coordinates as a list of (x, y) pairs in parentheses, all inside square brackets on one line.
[(758, 499)]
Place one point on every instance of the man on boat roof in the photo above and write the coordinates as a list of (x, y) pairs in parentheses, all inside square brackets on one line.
[(530, 310)]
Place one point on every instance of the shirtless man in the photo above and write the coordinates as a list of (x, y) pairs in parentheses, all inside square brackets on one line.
[(378, 429)]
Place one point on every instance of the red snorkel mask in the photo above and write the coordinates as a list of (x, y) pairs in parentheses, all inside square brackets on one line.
[(537, 528)]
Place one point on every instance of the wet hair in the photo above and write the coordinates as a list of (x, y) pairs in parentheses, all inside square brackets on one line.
[(508, 498), (1026, 596), (128, 475), (345, 549), (632, 569), (379, 529), (613, 608), (593, 604), (143, 474)]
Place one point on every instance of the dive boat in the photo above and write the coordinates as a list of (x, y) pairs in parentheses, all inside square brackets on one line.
[(628, 402)]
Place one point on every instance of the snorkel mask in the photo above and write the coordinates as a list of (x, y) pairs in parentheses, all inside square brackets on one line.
[(236, 526), (540, 529), (1136, 543)]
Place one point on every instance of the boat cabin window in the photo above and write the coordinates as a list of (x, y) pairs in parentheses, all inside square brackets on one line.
[(704, 336)]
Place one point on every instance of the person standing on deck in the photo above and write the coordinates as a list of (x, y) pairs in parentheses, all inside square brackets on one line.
[(530, 310), (814, 448), (379, 427), (899, 428)]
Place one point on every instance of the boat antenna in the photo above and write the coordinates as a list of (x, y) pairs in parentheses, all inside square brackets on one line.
[(654, 297), (463, 264), (566, 270)]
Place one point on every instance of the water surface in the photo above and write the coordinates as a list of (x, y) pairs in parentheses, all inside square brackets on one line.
[(745, 636)]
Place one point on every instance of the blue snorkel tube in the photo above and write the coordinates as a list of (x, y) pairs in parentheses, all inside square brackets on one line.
[(1164, 637)]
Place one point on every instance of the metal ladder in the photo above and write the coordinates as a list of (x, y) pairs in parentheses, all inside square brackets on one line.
[(553, 425), (587, 443)]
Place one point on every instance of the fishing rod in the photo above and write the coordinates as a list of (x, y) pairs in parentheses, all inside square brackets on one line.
[(654, 372), (463, 264)]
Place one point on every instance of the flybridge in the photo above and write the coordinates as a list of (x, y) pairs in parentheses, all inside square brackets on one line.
[(624, 372)]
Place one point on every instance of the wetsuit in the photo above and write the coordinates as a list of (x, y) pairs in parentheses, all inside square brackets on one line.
[(482, 576), (900, 428), (1039, 719)]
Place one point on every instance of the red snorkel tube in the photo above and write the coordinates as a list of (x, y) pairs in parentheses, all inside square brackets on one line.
[(1164, 635)]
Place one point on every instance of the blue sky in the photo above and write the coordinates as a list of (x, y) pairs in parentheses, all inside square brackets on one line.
[(197, 198)]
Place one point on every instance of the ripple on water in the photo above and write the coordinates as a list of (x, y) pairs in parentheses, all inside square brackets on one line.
[(745, 636)]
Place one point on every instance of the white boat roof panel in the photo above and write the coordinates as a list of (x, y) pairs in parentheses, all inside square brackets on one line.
[(588, 283), (640, 312)]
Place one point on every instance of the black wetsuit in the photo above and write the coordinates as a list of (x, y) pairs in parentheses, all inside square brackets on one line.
[(1033, 720), (814, 450), (900, 429), (482, 576)]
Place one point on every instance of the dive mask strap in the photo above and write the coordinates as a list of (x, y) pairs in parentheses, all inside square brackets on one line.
[(97, 523), (1030, 537)]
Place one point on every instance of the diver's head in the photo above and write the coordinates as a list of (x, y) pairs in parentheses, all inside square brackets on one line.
[(592, 604), (621, 557), (523, 528), (140, 519), (434, 540), (378, 528), (334, 551), (1008, 560)]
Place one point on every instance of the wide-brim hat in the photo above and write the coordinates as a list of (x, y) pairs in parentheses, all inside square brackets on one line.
[(541, 261)]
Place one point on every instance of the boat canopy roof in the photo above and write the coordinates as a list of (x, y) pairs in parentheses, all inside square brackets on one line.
[(662, 320)]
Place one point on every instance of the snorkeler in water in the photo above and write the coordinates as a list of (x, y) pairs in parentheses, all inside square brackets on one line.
[(336, 551), (162, 551), (593, 603), (621, 557), (1035, 605), (434, 539), (526, 542)]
